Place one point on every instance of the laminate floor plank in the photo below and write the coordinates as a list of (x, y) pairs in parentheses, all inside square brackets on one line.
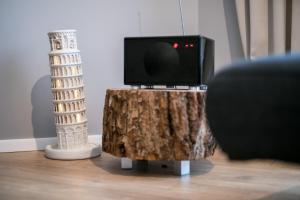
[(29, 175)]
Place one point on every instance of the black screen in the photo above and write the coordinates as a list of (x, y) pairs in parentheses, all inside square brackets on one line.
[(164, 60)]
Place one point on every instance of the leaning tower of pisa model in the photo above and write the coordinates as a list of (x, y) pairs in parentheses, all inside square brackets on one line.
[(68, 99)]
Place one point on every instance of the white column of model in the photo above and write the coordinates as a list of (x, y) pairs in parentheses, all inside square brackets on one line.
[(68, 99)]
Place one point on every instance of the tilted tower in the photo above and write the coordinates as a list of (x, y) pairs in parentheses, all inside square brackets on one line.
[(68, 99)]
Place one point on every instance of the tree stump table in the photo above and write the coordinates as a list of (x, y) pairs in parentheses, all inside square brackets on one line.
[(145, 124)]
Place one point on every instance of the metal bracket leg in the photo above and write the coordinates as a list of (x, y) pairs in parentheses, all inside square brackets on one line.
[(182, 167), (126, 163)]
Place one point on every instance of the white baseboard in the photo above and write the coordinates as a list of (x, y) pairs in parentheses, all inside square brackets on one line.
[(32, 144)]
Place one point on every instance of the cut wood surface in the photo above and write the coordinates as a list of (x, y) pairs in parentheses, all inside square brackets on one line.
[(144, 124)]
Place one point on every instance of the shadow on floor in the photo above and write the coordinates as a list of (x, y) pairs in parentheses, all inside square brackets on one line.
[(112, 165), (292, 193)]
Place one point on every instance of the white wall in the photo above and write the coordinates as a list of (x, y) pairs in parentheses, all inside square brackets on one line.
[(25, 98)]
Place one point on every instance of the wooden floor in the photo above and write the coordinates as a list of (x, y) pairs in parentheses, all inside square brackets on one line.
[(29, 175)]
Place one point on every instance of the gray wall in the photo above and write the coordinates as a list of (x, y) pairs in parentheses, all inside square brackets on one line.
[(25, 98), (217, 19)]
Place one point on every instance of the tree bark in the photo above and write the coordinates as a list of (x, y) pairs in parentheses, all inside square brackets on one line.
[(146, 124)]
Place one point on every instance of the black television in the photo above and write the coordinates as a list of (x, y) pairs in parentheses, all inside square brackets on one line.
[(168, 60)]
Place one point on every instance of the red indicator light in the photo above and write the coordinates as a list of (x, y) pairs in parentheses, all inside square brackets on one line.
[(175, 45), (191, 45), (186, 46)]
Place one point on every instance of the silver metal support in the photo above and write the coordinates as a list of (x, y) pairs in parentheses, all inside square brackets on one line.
[(181, 87), (149, 87), (198, 88), (203, 87), (181, 17), (159, 87), (182, 167), (126, 163), (171, 87), (135, 87), (194, 88)]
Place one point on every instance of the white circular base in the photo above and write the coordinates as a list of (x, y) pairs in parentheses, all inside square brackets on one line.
[(89, 151)]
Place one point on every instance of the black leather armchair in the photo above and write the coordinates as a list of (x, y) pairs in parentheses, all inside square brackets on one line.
[(253, 108)]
